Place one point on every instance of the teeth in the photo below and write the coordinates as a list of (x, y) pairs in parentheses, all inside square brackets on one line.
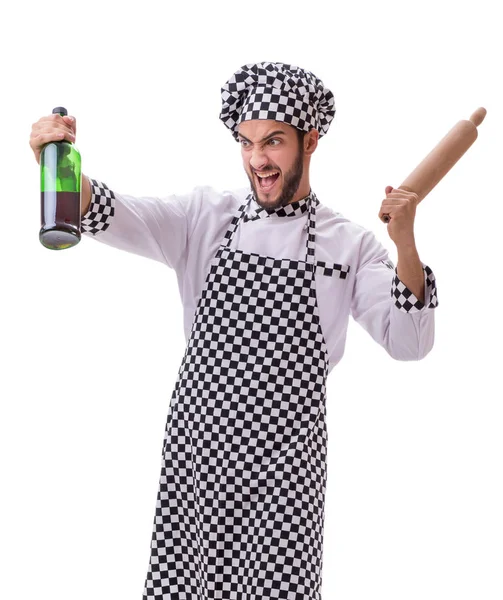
[(269, 174)]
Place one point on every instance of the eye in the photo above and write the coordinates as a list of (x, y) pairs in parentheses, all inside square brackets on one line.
[(244, 143), (273, 142)]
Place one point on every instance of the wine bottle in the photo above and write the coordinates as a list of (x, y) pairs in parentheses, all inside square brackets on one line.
[(60, 185)]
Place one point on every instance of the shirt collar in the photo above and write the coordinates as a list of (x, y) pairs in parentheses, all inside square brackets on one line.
[(294, 209)]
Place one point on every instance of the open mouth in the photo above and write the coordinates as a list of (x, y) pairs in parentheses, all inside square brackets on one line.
[(267, 180)]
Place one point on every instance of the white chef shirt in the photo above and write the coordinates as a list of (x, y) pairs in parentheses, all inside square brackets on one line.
[(185, 231)]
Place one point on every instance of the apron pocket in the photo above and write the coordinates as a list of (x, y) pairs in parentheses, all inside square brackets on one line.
[(332, 269)]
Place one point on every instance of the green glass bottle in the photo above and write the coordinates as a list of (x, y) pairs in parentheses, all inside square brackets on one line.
[(60, 185)]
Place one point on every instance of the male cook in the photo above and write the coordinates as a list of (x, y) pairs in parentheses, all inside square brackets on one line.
[(268, 279)]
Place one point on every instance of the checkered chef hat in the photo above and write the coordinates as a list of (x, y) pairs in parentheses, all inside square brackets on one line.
[(279, 92)]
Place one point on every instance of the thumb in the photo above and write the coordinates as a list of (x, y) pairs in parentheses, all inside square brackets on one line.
[(388, 189)]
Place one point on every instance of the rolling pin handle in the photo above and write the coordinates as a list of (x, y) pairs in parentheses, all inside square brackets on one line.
[(478, 116)]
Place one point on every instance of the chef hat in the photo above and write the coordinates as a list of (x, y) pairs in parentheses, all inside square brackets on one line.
[(279, 92)]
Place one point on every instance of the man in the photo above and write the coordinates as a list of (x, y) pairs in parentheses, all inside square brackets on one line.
[(268, 280)]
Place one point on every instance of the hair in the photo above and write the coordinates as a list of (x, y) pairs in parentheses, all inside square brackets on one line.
[(300, 136)]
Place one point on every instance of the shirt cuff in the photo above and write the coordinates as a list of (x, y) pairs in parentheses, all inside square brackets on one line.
[(406, 301), (101, 209)]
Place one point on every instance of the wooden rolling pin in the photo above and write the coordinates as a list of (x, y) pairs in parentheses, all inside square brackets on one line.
[(443, 157)]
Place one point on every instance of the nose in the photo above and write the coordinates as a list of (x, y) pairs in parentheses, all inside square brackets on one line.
[(258, 159)]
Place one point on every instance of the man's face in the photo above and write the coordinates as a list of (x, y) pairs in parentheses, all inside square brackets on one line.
[(273, 160)]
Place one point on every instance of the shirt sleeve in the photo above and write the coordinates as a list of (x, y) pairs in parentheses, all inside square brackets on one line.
[(156, 228), (383, 305)]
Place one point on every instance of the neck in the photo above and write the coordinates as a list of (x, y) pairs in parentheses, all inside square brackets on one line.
[(304, 186), (301, 193)]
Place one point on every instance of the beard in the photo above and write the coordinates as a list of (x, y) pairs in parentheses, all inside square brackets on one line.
[(290, 186)]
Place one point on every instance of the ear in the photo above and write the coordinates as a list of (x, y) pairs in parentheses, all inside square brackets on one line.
[(311, 141)]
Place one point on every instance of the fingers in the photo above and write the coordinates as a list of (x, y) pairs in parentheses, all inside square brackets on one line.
[(397, 207), (384, 216), (397, 199), (72, 123), (52, 135), (56, 124), (389, 206), (53, 128), (398, 193)]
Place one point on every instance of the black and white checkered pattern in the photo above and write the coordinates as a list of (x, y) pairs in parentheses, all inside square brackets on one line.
[(332, 269), (279, 92), (406, 301), (101, 209), (240, 508), (290, 210)]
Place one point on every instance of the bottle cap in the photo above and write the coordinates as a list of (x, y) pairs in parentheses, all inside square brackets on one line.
[(59, 109)]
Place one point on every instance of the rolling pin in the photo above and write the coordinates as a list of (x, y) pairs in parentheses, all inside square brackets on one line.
[(443, 157)]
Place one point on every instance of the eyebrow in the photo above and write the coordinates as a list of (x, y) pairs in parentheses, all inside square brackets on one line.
[(278, 132)]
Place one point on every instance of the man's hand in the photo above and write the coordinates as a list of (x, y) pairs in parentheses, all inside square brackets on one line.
[(400, 205), (53, 128)]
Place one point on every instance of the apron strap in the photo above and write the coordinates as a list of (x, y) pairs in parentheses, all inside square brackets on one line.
[(229, 234), (311, 232)]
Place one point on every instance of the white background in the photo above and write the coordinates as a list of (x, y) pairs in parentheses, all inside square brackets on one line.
[(91, 337)]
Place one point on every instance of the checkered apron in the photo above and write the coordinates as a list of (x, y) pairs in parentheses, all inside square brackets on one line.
[(240, 507)]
